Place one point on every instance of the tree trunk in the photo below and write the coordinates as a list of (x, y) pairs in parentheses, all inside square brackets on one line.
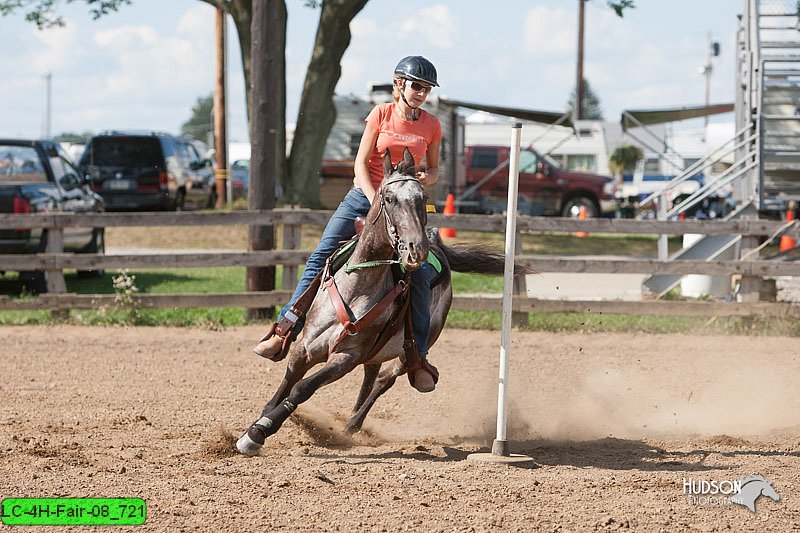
[(267, 132), (242, 14), (317, 112)]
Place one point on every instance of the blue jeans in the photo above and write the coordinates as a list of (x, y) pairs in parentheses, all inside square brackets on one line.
[(341, 227)]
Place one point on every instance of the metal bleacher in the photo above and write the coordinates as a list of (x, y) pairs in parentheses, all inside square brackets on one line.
[(765, 174), (775, 45)]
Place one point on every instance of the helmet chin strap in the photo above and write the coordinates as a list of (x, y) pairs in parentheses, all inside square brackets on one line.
[(413, 115)]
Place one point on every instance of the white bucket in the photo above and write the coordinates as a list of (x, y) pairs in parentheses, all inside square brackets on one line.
[(700, 285)]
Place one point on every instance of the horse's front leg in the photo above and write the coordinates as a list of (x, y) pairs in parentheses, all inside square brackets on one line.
[(384, 382), (370, 373), (338, 365), (299, 362)]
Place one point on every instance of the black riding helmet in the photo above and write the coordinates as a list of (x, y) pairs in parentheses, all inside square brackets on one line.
[(416, 68)]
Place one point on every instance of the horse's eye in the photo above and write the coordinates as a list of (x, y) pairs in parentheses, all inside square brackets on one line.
[(390, 199)]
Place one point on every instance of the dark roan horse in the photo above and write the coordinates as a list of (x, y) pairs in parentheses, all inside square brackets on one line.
[(394, 230)]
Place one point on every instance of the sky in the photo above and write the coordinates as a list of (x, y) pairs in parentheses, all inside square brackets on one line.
[(145, 66)]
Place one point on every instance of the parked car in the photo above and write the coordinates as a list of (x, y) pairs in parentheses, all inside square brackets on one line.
[(544, 188), (148, 171), (240, 178), (37, 176)]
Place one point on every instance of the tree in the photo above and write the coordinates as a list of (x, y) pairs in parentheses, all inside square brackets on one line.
[(591, 103), (43, 14), (624, 159), (619, 6), (72, 137), (200, 125), (300, 173), (317, 112)]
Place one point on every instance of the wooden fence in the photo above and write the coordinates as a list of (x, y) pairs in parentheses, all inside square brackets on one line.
[(54, 260)]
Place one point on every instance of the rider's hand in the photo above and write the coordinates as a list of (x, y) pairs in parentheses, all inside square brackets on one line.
[(423, 178)]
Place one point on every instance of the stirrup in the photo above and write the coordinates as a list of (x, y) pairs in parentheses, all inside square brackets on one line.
[(415, 361)]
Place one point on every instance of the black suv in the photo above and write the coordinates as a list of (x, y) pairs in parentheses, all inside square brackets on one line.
[(148, 171)]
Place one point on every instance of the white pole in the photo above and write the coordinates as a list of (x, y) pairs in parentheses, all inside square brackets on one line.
[(661, 214), (500, 446)]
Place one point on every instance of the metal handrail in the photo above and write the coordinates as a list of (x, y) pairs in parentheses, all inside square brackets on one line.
[(705, 191), (702, 164), (717, 156)]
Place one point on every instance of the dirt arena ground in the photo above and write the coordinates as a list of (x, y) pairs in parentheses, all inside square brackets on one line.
[(614, 424)]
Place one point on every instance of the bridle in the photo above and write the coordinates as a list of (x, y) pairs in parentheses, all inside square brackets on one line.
[(394, 238)]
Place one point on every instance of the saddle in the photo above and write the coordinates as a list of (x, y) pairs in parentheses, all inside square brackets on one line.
[(285, 329)]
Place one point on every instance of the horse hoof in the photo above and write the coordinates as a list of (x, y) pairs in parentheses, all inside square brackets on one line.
[(247, 446), (351, 430)]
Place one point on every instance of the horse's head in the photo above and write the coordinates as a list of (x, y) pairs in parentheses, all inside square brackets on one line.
[(402, 200)]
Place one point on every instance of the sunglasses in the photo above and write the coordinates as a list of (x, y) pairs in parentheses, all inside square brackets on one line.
[(418, 87)]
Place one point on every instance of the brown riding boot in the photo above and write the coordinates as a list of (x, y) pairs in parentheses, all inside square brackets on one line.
[(269, 348), (272, 346)]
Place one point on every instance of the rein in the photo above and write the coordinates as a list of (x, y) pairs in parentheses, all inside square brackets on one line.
[(370, 264)]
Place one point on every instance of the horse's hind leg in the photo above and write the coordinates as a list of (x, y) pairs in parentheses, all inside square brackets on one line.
[(384, 382), (337, 366), (370, 373)]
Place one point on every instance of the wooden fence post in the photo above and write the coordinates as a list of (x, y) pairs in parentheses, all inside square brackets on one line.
[(54, 277), (519, 318), (749, 288)]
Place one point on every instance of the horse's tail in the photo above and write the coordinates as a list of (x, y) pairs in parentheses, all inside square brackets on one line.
[(475, 258)]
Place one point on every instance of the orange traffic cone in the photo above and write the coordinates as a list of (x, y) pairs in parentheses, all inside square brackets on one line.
[(449, 210), (787, 242), (581, 216)]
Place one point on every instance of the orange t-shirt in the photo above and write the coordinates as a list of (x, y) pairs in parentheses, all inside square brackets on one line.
[(396, 134)]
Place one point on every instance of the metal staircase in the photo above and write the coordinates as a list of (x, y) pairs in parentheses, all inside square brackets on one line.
[(709, 247), (777, 60), (766, 171)]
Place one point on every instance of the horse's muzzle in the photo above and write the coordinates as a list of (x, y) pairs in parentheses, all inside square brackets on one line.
[(413, 255)]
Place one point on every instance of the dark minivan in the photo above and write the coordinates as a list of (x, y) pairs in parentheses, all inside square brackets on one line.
[(147, 171)]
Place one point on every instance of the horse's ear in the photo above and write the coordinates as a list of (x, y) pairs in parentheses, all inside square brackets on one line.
[(408, 159), (406, 166), (387, 164)]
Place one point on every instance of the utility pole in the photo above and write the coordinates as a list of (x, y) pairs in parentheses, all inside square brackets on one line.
[(579, 83), (707, 69), (48, 112), (220, 133)]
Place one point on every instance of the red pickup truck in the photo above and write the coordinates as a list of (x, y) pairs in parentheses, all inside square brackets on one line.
[(544, 188)]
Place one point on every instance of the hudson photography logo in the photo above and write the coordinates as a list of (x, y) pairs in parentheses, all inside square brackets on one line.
[(744, 491)]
